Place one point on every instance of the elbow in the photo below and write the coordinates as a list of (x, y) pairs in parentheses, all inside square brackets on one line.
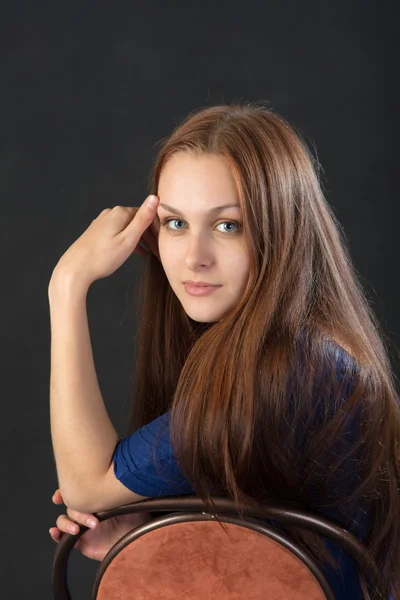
[(83, 507), (76, 500), (68, 497), (85, 500)]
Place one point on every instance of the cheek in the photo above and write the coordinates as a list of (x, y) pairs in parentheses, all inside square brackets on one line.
[(169, 250), (238, 262), (162, 248), (169, 258), (165, 255)]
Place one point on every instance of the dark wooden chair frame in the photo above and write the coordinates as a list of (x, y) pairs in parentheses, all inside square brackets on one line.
[(191, 508)]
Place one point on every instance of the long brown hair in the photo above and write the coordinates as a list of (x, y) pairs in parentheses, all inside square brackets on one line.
[(244, 389)]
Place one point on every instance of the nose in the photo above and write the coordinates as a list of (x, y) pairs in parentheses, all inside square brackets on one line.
[(198, 252)]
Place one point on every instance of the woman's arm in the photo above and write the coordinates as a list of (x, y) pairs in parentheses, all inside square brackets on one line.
[(83, 436), (82, 433)]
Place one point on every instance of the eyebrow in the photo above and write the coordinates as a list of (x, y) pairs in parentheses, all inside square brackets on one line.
[(214, 210)]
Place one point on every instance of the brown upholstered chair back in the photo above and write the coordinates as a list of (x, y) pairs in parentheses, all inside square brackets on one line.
[(188, 555)]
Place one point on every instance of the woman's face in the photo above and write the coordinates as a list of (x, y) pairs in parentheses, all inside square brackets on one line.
[(201, 243)]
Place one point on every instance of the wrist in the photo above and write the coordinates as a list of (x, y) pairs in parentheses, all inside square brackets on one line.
[(67, 287)]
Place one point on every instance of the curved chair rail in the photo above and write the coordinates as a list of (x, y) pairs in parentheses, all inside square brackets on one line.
[(226, 511)]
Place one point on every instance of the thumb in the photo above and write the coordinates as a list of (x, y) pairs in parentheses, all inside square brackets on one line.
[(143, 219)]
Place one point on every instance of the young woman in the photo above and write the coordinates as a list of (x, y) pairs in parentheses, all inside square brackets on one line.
[(261, 372)]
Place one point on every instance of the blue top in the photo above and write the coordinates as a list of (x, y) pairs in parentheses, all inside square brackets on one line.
[(135, 467)]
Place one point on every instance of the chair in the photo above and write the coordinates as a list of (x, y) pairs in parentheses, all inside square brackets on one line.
[(186, 555)]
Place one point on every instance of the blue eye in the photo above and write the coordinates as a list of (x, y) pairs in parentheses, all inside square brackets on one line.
[(234, 223), (165, 222)]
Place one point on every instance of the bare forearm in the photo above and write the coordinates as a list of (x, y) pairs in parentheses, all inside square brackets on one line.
[(82, 433)]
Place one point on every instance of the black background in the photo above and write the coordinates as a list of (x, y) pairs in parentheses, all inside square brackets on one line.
[(86, 90)]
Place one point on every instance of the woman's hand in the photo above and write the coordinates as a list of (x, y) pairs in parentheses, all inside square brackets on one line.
[(108, 241), (97, 541)]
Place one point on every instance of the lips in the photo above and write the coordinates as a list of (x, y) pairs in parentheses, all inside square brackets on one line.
[(202, 284), (201, 290)]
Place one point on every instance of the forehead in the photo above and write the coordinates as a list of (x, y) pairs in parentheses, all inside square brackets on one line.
[(205, 180)]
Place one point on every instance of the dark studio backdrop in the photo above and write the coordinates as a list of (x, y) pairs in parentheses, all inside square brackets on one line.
[(86, 90)]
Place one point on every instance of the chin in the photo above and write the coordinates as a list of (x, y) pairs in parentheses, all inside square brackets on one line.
[(203, 316), (199, 318), (203, 320)]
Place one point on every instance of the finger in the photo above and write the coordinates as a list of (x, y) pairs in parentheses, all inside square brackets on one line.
[(66, 525), (57, 497), (55, 533), (141, 221), (87, 519)]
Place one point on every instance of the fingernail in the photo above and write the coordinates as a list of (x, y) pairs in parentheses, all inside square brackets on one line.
[(73, 529), (152, 201), (91, 522)]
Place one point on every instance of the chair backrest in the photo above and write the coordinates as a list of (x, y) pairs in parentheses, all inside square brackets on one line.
[(187, 554)]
